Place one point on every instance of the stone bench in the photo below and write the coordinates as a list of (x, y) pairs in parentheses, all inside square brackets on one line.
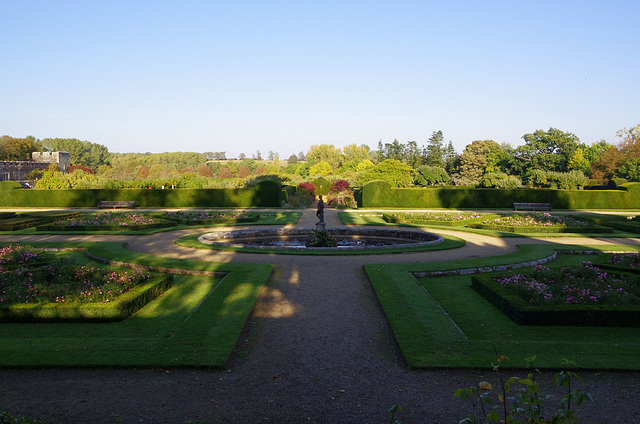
[(532, 206), (115, 204)]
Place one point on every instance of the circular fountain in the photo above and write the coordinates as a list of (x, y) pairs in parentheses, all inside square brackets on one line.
[(348, 239)]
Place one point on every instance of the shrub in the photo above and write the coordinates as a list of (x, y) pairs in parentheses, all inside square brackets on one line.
[(396, 173), (309, 187), (491, 179), (527, 404), (509, 183), (431, 175), (630, 169), (616, 182), (339, 186), (537, 178)]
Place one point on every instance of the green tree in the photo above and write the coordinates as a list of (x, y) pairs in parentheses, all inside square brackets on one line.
[(547, 150), (501, 160), (83, 153), (293, 159), (327, 153), (434, 152), (393, 171), (578, 162), (450, 157), (596, 151), (321, 168), (353, 152), (412, 156), (431, 175), (364, 165), (17, 148), (474, 160), (630, 170)]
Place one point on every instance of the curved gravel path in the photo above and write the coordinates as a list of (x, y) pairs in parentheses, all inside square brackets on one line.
[(317, 349)]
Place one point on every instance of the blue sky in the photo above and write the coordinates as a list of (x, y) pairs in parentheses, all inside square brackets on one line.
[(241, 76)]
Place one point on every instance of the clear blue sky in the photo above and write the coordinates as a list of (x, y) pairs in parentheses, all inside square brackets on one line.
[(241, 76)]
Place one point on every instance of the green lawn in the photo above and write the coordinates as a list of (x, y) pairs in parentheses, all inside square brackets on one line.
[(442, 322), (195, 323), (450, 242)]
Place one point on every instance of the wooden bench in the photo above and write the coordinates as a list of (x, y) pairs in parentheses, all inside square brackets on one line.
[(114, 204), (532, 206)]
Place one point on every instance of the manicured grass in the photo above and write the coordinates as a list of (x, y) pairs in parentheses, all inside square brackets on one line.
[(450, 242), (442, 322), (195, 323)]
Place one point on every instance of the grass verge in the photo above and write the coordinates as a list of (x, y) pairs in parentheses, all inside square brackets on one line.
[(443, 322), (450, 242), (195, 323)]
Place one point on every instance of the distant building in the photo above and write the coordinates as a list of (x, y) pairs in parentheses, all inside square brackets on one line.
[(16, 170)]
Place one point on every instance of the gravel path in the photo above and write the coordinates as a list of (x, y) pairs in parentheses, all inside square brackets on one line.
[(317, 349)]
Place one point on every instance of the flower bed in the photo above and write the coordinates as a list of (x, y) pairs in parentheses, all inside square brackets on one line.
[(582, 295), (437, 218), (107, 221), (204, 218), (15, 255), (540, 223), (32, 291), (622, 262)]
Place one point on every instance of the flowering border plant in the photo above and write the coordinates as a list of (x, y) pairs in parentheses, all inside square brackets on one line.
[(17, 255), (64, 282), (584, 285), (537, 220), (108, 219), (627, 260)]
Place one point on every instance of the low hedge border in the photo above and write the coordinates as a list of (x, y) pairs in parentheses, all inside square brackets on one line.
[(118, 310), (523, 230), (253, 217), (621, 224), (140, 227), (468, 271), (459, 223), (522, 313), (11, 221), (18, 223)]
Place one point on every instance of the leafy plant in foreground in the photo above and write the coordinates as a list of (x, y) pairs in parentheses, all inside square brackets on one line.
[(527, 403)]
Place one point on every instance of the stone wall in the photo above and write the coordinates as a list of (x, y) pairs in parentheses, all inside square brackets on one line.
[(63, 159), (17, 170)]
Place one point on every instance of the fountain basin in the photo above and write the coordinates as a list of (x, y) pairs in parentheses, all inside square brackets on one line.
[(349, 239)]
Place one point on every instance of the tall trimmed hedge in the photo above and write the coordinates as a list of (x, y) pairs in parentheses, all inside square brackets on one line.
[(263, 194), (380, 194), (323, 186)]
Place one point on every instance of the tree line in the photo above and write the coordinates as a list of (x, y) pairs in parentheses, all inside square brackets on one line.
[(551, 158)]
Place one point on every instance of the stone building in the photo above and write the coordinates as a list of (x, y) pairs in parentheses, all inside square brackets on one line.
[(16, 170)]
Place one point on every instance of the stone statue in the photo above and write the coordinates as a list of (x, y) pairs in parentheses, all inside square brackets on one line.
[(320, 211)]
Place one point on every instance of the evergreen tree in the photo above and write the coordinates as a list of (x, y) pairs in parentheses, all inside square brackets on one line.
[(434, 152)]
